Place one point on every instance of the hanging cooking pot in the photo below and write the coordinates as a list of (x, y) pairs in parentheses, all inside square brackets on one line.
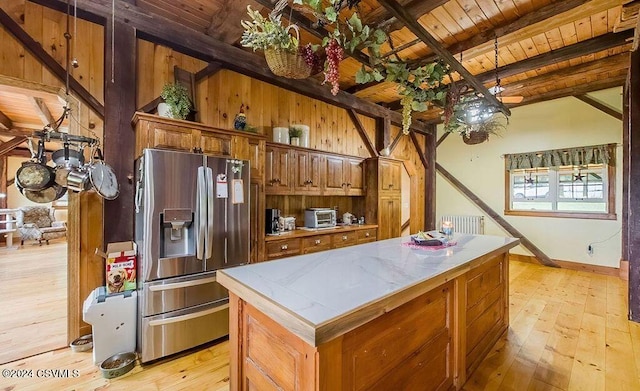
[(66, 160), (103, 178), (35, 174), (78, 178)]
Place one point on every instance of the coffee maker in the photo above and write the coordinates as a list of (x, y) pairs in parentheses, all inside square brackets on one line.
[(271, 221)]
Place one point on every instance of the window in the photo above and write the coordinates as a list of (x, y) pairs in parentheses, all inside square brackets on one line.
[(564, 190)]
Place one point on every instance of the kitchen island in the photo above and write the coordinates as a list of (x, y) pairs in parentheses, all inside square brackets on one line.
[(383, 315)]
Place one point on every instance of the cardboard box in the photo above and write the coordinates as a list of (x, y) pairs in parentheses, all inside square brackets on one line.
[(120, 266)]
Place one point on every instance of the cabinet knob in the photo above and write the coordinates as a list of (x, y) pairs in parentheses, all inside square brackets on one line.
[(348, 184), (317, 241), (344, 237), (390, 184), (367, 234), (284, 247), (344, 184)]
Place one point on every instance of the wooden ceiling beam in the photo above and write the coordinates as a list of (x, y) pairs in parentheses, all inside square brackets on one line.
[(49, 62), (13, 132), (598, 104), (572, 91), (160, 30), (5, 122), (416, 8), (42, 111), (589, 46), (613, 63), (211, 69), (10, 145), (416, 28)]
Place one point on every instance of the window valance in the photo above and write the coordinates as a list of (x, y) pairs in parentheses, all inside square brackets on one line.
[(595, 154)]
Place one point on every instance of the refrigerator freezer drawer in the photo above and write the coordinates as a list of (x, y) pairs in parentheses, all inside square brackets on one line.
[(173, 294), (174, 332)]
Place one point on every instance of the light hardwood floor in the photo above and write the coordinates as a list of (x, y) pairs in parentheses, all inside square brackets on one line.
[(568, 332), (33, 299)]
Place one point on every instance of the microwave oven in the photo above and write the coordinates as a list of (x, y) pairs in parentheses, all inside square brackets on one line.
[(319, 218)]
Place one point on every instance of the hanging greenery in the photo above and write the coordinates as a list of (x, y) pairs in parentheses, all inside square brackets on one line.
[(417, 86)]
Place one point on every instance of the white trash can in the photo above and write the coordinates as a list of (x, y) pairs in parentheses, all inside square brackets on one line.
[(113, 320)]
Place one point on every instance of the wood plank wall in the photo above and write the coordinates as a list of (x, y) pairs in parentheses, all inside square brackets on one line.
[(47, 27), (220, 96)]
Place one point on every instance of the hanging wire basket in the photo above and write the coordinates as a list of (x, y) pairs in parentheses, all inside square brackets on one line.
[(475, 137)]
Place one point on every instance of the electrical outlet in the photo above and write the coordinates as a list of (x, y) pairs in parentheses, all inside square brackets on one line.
[(590, 249)]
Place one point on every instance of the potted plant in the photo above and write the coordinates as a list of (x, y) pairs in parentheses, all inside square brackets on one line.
[(294, 135), (176, 97)]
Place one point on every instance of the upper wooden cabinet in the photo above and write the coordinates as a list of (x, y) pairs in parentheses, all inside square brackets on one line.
[(390, 175), (277, 167), (168, 133), (312, 172), (308, 173), (345, 176)]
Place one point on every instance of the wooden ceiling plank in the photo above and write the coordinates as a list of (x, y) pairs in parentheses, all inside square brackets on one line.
[(416, 28), (42, 111), (50, 63), (5, 122), (200, 46), (544, 19), (605, 108), (10, 145)]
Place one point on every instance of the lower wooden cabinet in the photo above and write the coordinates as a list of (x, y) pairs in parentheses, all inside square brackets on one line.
[(308, 244), (344, 239), (367, 235), (314, 244), (283, 248)]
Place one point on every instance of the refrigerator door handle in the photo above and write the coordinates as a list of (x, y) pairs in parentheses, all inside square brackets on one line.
[(183, 284), (182, 318), (210, 198), (202, 213)]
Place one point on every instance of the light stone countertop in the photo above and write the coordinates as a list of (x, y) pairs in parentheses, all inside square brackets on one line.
[(323, 295)]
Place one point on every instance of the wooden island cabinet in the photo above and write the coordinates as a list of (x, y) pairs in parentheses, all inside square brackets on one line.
[(380, 316)]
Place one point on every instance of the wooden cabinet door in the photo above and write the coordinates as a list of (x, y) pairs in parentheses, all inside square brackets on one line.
[(300, 170), (389, 212), (335, 175), (250, 149), (390, 175), (211, 143), (164, 136), (355, 176), (315, 173), (277, 171)]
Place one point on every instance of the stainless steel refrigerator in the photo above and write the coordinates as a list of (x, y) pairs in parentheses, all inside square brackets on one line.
[(192, 218)]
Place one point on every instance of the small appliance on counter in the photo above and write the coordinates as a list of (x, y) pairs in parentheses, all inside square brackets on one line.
[(287, 223), (319, 218), (272, 221)]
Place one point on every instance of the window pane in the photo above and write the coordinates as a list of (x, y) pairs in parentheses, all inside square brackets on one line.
[(537, 205), (600, 207)]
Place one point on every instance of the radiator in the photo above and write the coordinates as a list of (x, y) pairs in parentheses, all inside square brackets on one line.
[(466, 224)]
